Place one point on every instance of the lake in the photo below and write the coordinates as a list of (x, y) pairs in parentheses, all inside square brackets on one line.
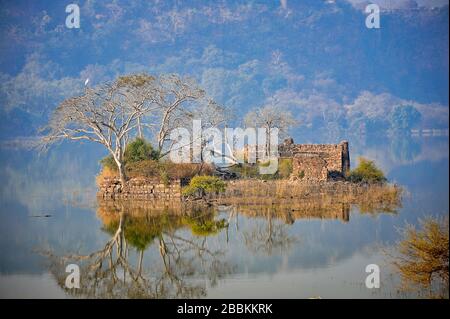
[(49, 218)]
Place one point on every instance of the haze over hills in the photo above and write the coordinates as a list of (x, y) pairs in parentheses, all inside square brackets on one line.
[(315, 58)]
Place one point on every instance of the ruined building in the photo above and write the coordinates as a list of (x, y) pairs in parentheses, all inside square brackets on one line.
[(316, 162)]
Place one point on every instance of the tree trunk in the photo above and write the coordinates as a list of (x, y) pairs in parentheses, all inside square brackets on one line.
[(267, 146), (141, 258), (122, 175), (139, 127)]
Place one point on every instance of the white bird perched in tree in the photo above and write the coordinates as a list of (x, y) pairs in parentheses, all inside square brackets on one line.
[(86, 82)]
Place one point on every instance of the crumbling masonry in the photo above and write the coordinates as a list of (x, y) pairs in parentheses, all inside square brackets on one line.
[(316, 162)]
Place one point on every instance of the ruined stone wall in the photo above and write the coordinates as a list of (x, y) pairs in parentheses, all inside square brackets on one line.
[(140, 188), (309, 168), (317, 161)]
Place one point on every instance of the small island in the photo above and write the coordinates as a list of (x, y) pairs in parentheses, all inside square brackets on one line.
[(146, 122), (306, 172)]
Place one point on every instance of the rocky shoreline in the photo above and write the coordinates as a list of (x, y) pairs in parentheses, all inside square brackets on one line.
[(250, 191)]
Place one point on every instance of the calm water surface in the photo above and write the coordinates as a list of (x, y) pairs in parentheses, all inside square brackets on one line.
[(133, 252)]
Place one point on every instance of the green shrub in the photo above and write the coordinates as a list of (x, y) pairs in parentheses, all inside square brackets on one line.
[(139, 150), (366, 172), (245, 170), (202, 185), (109, 163), (200, 227), (147, 168), (285, 167), (141, 160)]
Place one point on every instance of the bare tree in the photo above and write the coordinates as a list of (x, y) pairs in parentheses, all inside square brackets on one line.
[(110, 113), (179, 101), (272, 236), (270, 117), (106, 114), (175, 96), (139, 91)]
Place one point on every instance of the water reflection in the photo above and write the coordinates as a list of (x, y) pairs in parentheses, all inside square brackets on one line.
[(405, 149), (294, 248), (270, 236), (167, 250), (179, 264)]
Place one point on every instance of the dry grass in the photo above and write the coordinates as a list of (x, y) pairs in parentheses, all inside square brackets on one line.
[(106, 172), (251, 171), (159, 170), (369, 198), (188, 170), (422, 258)]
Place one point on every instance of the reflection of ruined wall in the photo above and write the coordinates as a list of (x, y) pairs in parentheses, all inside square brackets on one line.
[(140, 188), (110, 210), (294, 211), (147, 219), (140, 207), (317, 161), (369, 198)]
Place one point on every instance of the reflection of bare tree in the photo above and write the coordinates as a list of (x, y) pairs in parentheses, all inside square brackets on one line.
[(269, 236), (180, 265), (184, 257)]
